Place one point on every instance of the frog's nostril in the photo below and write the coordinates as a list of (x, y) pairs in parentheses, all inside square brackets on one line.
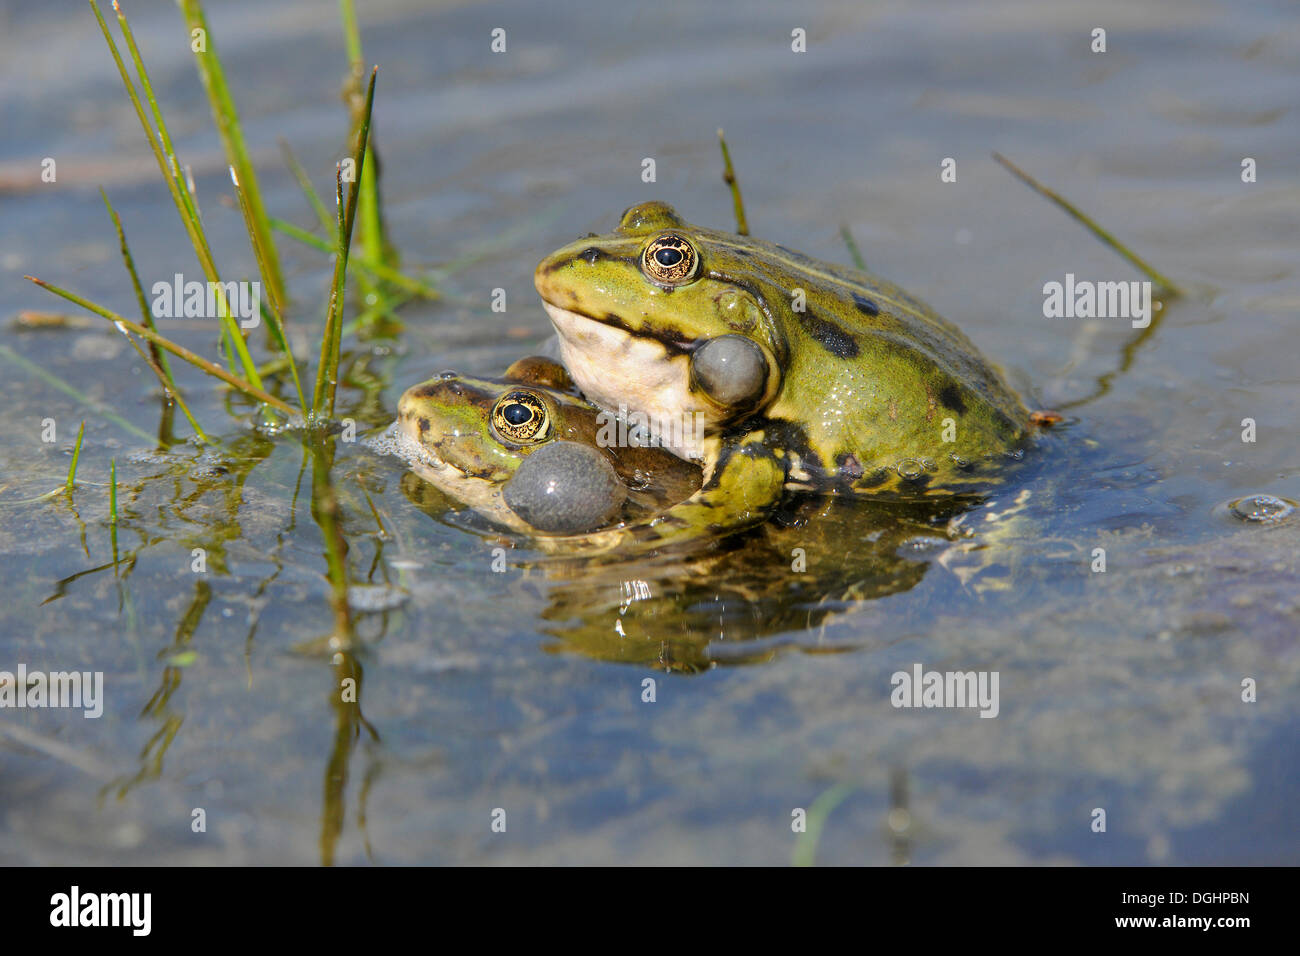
[(591, 254)]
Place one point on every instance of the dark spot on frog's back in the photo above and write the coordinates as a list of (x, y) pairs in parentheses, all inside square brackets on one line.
[(865, 305), (950, 396), (828, 335), (424, 425)]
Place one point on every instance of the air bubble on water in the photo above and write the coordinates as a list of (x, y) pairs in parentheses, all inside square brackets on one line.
[(925, 543), (639, 480), (1262, 509), (271, 421), (448, 374)]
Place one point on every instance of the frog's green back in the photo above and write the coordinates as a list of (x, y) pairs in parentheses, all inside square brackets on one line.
[(888, 377)]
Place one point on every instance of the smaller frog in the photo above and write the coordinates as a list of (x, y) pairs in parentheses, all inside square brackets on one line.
[(530, 455)]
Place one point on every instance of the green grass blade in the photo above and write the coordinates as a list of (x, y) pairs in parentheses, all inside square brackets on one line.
[(72, 392), (378, 269), (112, 490), (327, 372), (226, 117), (179, 351), (854, 252), (1165, 288), (156, 360), (160, 143), (372, 235), (805, 851), (367, 318), (729, 177), (271, 307), (146, 314), (304, 182), (76, 455), (169, 389)]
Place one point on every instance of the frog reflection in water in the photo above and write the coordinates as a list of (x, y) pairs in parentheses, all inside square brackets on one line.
[(688, 610)]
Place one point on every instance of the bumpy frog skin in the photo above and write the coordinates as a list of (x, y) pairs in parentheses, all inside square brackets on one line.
[(848, 381), (474, 434)]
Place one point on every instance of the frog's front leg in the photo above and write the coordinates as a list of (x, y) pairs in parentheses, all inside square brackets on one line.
[(745, 485)]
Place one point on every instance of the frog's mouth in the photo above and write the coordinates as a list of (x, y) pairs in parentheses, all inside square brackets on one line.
[(627, 373)]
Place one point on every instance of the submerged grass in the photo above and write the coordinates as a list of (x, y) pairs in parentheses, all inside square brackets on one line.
[(805, 849), (112, 491)]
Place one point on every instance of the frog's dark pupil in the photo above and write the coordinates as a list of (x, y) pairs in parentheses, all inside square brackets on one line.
[(668, 256), (517, 414)]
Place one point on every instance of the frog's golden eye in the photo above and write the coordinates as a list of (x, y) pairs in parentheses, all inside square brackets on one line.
[(671, 260), (521, 417)]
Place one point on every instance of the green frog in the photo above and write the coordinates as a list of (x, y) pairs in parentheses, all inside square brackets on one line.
[(527, 453), (740, 351)]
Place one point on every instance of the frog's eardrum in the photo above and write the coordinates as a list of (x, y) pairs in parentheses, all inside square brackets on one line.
[(731, 369), (565, 488)]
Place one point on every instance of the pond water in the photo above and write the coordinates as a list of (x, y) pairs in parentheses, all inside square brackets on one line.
[(522, 691)]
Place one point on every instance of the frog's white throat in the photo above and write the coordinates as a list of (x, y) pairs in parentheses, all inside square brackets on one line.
[(616, 368)]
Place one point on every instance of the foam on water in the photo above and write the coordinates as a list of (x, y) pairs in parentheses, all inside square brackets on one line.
[(393, 441)]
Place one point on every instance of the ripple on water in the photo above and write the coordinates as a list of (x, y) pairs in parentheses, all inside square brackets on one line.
[(1260, 509)]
